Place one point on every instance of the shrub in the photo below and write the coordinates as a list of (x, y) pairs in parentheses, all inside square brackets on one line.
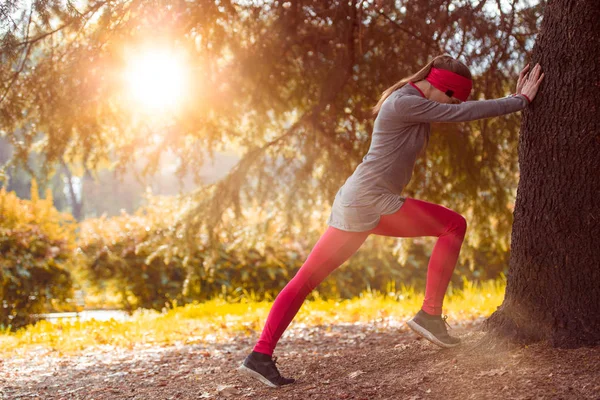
[(36, 245)]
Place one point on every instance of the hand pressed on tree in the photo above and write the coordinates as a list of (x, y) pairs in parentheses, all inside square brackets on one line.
[(529, 83)]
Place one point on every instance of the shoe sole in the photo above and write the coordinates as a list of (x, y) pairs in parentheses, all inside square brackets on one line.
[(253, 374), (428, 335)]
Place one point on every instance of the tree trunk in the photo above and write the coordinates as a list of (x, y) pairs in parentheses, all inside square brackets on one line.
[(76, 205), (553, 287)]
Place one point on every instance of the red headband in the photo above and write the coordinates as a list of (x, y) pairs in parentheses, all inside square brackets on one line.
[(450, 83)]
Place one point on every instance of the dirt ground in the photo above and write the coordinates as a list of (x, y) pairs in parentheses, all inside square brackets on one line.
[(348, 361)]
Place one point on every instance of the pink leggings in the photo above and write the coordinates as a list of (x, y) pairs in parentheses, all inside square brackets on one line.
[(414, 218)]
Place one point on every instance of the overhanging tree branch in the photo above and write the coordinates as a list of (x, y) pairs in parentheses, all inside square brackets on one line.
[(226, 191)]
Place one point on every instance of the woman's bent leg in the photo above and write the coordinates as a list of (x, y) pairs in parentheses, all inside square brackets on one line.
[(420, 218), (330, 251)]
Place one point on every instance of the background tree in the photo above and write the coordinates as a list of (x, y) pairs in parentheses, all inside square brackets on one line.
[(553, 290), (288, 85)]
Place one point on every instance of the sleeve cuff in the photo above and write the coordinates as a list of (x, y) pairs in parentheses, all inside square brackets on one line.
[(521, 94)]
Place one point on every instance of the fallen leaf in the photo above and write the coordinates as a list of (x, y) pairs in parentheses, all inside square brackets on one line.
[(227, 390), (354, 374)]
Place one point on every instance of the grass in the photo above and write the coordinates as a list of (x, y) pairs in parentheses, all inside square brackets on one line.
[(221, 319)]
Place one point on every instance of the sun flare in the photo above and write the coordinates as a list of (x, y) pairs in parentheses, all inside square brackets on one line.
[(156, 79)]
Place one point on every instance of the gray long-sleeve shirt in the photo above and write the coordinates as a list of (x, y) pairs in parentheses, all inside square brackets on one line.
[(400, 134)]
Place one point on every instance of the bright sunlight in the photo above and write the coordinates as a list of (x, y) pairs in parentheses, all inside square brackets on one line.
[(156, 79)]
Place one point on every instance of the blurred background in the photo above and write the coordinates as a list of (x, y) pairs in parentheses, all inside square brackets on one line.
[(161, 152)]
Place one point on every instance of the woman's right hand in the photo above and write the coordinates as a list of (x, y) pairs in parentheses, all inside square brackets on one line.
[(529, 83)]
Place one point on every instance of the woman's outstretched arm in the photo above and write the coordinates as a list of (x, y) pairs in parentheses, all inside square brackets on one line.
[(419, 109)]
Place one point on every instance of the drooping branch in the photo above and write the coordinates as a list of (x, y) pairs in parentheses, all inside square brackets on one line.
[(44, 35), (226, 192), (410, 33), (22, 64), (29, 42)]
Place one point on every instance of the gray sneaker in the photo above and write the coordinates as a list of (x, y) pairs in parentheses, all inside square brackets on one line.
[(264, 371), (433, 329)]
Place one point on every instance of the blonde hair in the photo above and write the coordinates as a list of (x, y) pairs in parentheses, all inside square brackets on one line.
[(445, 61)]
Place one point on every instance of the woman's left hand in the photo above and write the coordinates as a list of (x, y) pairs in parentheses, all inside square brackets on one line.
[(522, 79)]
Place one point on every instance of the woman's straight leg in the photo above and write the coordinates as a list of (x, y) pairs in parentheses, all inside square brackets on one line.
[(420, 218), (333, 248)]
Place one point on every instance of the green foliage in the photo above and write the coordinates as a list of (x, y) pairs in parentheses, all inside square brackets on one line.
[(288, 85), (111, 254), (130, 252), (135, 256), (36, 244)]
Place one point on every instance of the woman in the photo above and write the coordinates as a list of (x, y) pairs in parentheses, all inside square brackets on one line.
[(370, 200)]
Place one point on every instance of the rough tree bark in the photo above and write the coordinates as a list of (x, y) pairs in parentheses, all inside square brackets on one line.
[(553, 287)]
